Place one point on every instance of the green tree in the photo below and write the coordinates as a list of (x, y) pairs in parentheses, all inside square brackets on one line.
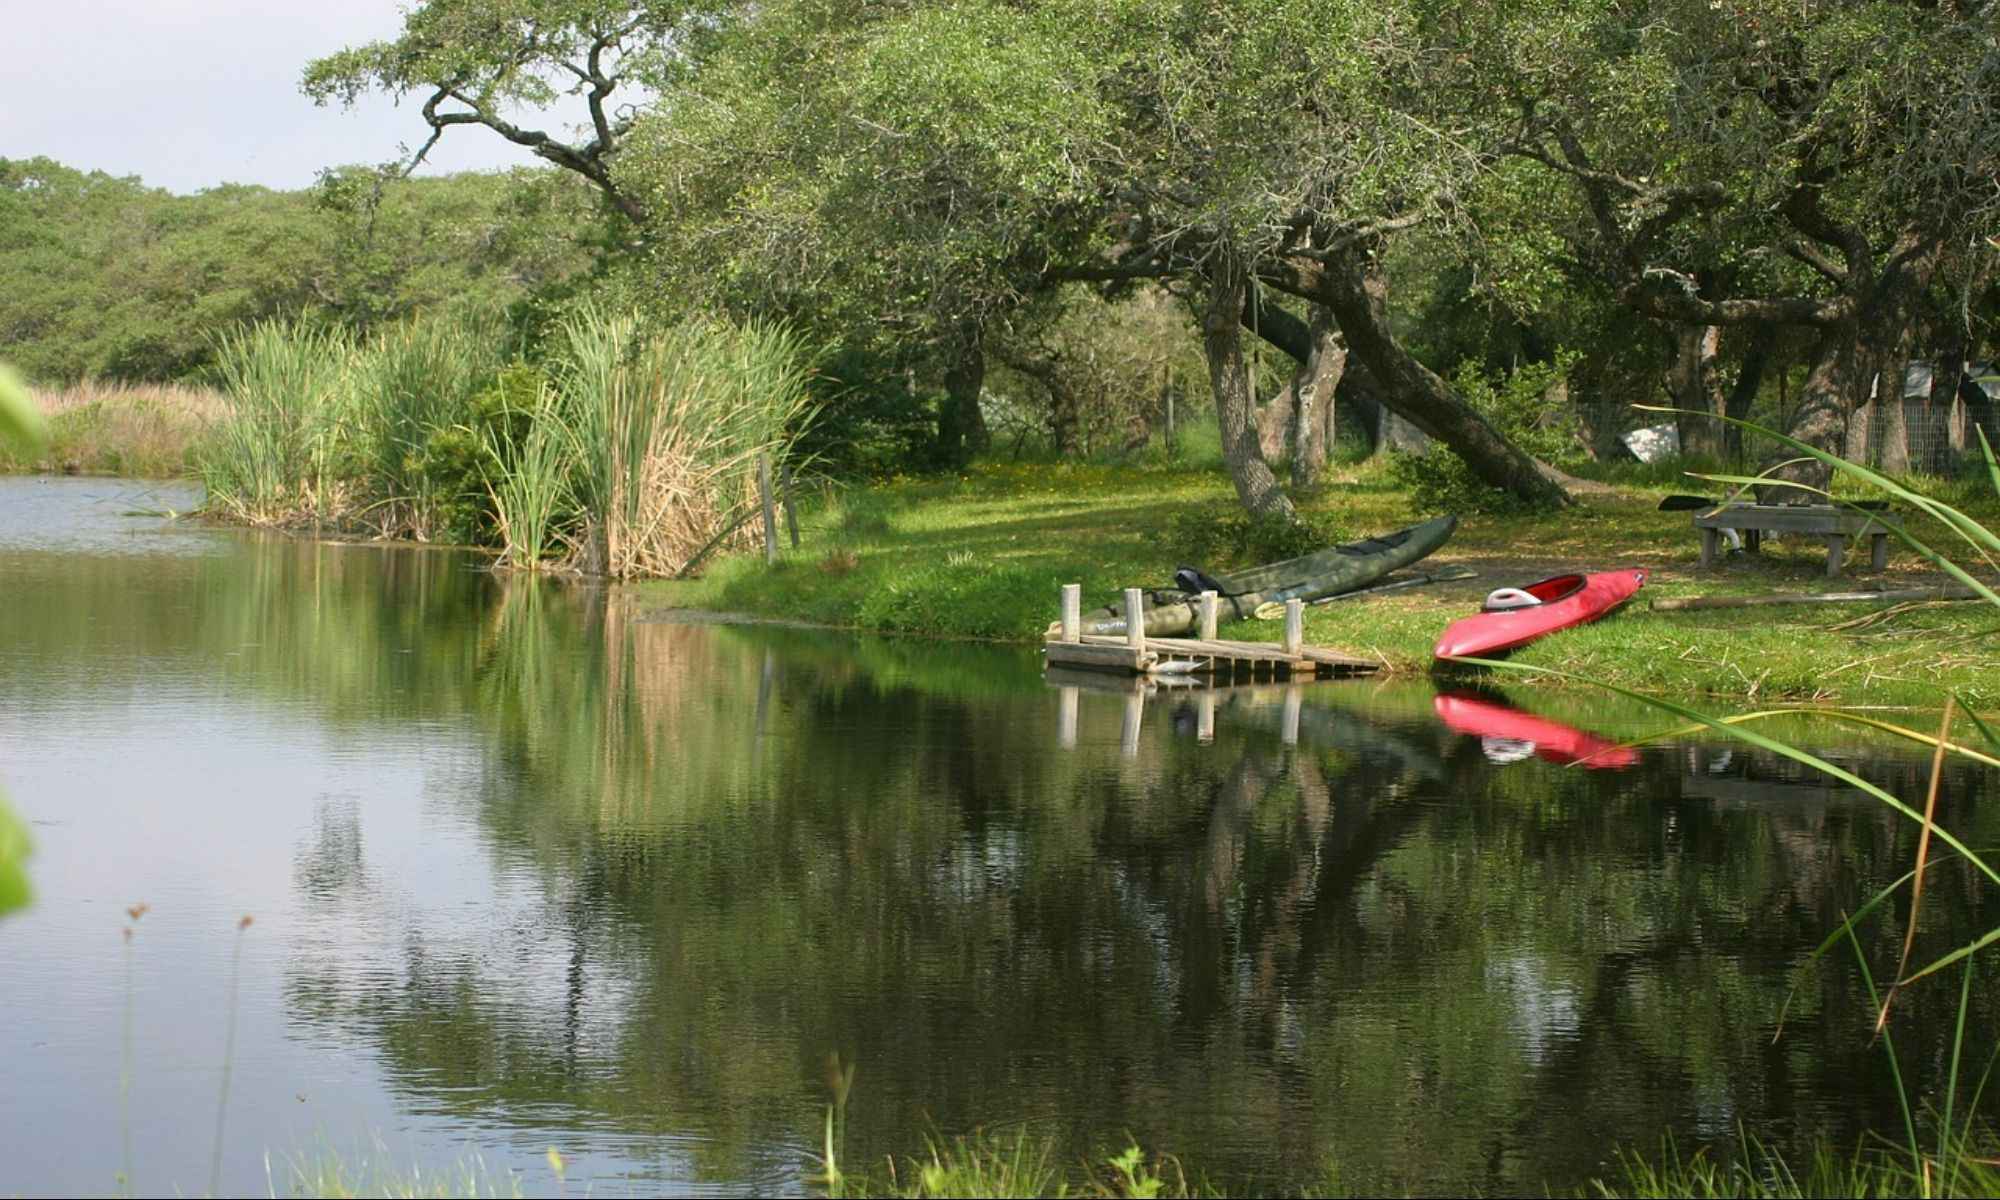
[(925, 168), (477, 61), (1758, 164)]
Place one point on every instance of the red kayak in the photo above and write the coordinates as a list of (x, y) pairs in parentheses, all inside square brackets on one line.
[(1551, 740), (1514, 617)]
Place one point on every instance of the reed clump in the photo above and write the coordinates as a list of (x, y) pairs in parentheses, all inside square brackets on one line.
[(628, 452)]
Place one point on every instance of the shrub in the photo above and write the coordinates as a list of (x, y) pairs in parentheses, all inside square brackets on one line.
[(1221, 536), (1517, 405)]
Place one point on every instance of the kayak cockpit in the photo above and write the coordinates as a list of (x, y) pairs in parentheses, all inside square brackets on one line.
[(1546, 591)]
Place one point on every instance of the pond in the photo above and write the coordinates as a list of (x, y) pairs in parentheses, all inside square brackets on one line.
[(527, 869)]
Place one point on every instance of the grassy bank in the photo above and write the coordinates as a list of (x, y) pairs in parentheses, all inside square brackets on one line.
[(982, 554), (147, 430)]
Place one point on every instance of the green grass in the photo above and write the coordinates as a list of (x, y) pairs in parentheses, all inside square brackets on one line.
[(1023, 1165), (1761, 1173), (983, 554)]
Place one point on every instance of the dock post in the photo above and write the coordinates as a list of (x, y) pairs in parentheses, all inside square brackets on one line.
[(1208, 607), (791, 513), (1066, 718), (1289, 732), (770, 512), (1072, 612), (1135, 618), (1128, 736), (1295, 626)]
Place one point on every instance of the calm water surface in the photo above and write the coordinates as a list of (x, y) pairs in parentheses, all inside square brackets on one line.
[(527, 871)]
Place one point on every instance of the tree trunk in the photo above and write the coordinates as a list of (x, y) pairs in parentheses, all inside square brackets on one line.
[(1749, 378), (1854, 353), (962, 428), (1356, 292), (1980, 417), (1274, 424), (1298, 421), (1222, 343), (1833, 383), (1694, 387), (1944, 437), (1894, 436), (1314, 385)]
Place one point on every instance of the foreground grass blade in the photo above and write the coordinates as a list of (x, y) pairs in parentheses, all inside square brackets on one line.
[(1985, 731), (1923, 855), (1895, 1068), (1992, 464), (1833, 714)]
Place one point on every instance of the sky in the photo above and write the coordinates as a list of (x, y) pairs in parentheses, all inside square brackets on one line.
[(188, 94)]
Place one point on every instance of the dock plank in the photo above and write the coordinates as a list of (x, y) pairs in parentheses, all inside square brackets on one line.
[(1224, 654)]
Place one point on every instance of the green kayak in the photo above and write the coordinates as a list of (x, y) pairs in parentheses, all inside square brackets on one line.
[(1328, 572)]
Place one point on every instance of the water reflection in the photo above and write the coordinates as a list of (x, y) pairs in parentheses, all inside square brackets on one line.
[(1508, 734), (561, 875)]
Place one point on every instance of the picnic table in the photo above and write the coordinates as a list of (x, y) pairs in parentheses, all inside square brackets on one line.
[(1835, 524)]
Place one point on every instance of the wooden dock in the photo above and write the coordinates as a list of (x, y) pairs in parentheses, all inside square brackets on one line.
[(1136, 654)]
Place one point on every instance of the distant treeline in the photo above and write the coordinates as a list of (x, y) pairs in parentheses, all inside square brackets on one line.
[(102, 276)]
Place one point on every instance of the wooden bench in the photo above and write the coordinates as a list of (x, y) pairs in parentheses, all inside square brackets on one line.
[(1836, 525)]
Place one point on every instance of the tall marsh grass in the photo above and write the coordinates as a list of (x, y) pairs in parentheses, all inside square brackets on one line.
[(627, 455), (270, 460), (669, 428), (102, 426)]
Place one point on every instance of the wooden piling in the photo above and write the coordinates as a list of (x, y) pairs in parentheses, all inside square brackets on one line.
[(1135, 618), (1072, 612), (770, 511), (1295, 626), (791, 513), (1208, 606)]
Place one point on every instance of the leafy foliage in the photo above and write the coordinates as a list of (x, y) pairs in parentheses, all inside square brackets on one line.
[(1222, 537), (1522, 406), (20, 424)]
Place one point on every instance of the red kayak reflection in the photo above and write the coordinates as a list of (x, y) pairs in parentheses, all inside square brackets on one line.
[(1508, 734)]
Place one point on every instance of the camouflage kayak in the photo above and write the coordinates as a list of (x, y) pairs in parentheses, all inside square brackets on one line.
[(1328, 572)]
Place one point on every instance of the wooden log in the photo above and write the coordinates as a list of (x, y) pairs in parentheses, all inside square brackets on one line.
[(1135, 618), (1208, 606), (1072, 611), (1946, 592), (770, 512)]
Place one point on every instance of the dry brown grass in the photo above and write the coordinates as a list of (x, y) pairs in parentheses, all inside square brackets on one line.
[(103, 427)]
